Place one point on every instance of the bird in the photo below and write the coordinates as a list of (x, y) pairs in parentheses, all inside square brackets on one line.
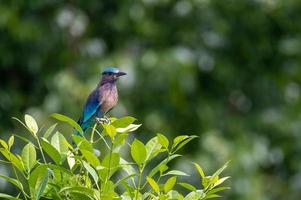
[(101, 100)]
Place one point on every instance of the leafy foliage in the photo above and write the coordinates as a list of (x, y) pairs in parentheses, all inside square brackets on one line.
[(52, 168)]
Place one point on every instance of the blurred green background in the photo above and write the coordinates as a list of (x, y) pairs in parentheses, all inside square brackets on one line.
[(226, 70)]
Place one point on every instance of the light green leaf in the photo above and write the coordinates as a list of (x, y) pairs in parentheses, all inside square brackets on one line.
[(70, 159), (16, 161), (187, 186), (68, 120), (200, 170), (111, 162), (176, 172), (29, 156), (49, 131), (38, 181), (220, 181), (138, 152), (127, 167), (220, 170), (153, 148), (163, 140), (82, 143), (110, 130), (3, 143), (6, 196), (164, 162), (129, 128), (210, 196), (123, 122), (170, 184), (91, 158), (215, 190), (31, 124), (51, 151), (13, 181), (153, 184), (11, 141), (58, 141), (183, 142), (91, 171)]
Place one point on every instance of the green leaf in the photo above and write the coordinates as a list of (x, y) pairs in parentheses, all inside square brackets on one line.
[(70, 159), (127, 167), (91, 193), (49, 131), (220, 181), (153, 148), (170, 184), (179, 139), (31, 124), (195, 195), (16, 161), (91, 171), (163, 140), (212, 196), (68, 120), (51, 151), (13, 181), (6, 196), (123, 122), (110, 162), (29, 156), (187, 186), (3, 143), (215, 190), (184, 142), (220, 170), (11, 141), (176, 172), (164, 162), (110, 130), (91, 158), (59, 142), (200, 170), (129, 128), (82, 143), (138, 152), (38, 181), (153, 184)]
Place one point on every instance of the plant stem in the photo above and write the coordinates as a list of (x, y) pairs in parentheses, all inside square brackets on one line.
[(41, 150), (109, 168), (139, 181)]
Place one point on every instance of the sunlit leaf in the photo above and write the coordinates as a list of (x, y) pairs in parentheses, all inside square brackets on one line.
[(176, 172), (123, 122), (51, 151), (138, 152), (110, 130), (11, 141), (200, 170), (187, 186), (91, 171), (13, 181), (58, 141), (31, 124), (170, 184), (153, 184), (163, 140), (29, 156), (49, 131), (68, 120)]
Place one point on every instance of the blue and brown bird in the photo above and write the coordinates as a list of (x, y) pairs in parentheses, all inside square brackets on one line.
[(102, 99)]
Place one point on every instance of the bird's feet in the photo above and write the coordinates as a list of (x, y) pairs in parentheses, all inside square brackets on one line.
[(103, 120)]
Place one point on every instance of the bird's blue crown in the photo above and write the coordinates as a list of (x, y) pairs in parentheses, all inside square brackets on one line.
[(110, 70)]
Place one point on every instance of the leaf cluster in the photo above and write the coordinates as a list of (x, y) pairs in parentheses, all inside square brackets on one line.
[(51, 167)]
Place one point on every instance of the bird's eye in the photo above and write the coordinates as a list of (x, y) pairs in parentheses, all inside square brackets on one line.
[(110, 73)]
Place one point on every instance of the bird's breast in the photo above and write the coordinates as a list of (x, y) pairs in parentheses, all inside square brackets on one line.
[(109, 97)]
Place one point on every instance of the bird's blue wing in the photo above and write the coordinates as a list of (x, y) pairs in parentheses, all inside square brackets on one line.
[(91, 108)]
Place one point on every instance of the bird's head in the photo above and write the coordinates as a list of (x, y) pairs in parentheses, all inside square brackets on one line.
[(111, 74)]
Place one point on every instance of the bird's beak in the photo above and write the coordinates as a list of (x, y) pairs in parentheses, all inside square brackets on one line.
[(120, 74)]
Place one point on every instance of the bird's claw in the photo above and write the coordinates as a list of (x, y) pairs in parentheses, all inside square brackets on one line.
[(103, 120)]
